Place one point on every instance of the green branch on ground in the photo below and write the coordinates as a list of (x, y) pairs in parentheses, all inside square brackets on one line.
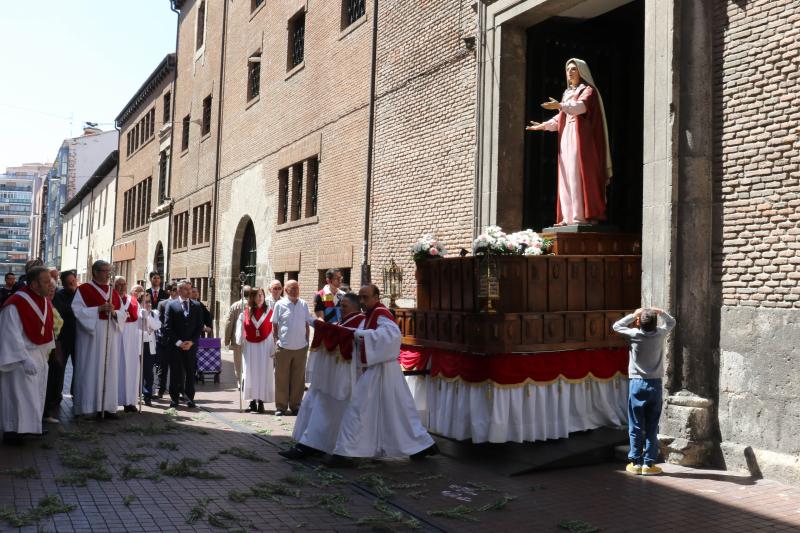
[(130, 471), (171, 412), (463, 512), (577, 526), (48, 506), (21, 473), (78, 478), (480, 486), (128, 500), (377, 483), (187, 467), (198, 512), (82, 435), (244, 454), (167, 445), (152, 429), (298, 480), (225, 519), (264, 431), (334, 503), (388, 519), (271, 491), (327, 478), (73, 458), (418, 494), (134, 457)]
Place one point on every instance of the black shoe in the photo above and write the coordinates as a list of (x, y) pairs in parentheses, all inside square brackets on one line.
[(148, 402), (339, 461), (433, 449), (260, 407), (252, 408), (12, 438), (299, 451), (279, 412), (112, 416), (190, 404), (130, 409), (160, 394), (293, 412), (173, 404)]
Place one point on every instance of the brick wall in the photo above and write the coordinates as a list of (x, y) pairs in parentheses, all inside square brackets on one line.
[(425, 131), (757, 164)]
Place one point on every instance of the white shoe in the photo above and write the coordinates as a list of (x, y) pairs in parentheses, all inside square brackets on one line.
[(51, 420)]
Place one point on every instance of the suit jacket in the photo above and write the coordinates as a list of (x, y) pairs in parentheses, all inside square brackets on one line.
[(162, 296), (178, 327), (230, 323), (161, 338), (62, 301)]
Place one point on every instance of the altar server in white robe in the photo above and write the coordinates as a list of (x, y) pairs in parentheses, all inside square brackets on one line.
[(333, 380), (254, 335), (26, 338), (130, 346), (99, 319), (381, 419)]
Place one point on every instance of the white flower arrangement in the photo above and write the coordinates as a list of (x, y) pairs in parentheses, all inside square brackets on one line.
[(494, 241), (426, 247), (528, 242)]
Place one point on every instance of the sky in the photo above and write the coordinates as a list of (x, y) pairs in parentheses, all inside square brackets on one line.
[(65, 62)]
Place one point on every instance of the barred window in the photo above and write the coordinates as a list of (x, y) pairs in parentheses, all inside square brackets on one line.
[(201, 223), (312, 186), (187, 120), (255, 4), (297, 37), (297, 191), (180, 230), (201, 25), (283, 196), (167, 107), (206, 129), (352, 10), (162, 176), (253, 76)]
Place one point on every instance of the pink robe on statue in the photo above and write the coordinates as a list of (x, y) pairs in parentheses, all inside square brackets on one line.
[(581, 157)]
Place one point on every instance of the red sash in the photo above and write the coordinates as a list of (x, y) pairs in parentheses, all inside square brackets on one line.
[(31, 323), (250, 327), (92, 297), (337, 335), (133, 310)]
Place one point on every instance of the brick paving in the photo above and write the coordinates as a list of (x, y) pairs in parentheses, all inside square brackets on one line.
[(601, 496)]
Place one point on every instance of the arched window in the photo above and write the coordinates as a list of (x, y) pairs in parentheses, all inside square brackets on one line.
[(158, 261), (247, 260)]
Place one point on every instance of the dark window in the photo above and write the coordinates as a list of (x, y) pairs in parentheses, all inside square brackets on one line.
[(152, 121), (201, 24), (253, 76), (297, 38), (312, 186), (254, 4), (293, 276), (352, 10), (283, 196), (201, 223), (136, 137), (148, 198), (187, 120), (248, 256), (180, 230), (297, 191), (167, 107), (162, 176), (281, 276), (159, 260), (206, 129)]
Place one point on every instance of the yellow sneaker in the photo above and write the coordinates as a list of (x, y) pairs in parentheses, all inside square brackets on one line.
[(634, 469), (651, 470)]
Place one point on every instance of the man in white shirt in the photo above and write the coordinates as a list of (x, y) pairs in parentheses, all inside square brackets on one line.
[(290, 330)]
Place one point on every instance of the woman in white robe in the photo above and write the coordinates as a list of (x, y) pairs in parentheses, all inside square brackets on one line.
[(254, 335), (130, 347)]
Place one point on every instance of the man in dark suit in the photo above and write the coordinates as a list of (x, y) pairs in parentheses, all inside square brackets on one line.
[(157, 294), (162, 346), (62, 301), (183, 325)]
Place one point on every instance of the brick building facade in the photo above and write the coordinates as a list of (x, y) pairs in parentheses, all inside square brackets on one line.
[(443, 147), (141, 229)]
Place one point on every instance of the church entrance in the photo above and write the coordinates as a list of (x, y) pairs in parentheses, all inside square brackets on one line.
[(613, 46)]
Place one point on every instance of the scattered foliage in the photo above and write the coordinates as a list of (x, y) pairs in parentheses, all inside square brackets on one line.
[(244, 454), (48, 506), (187, 467), (388, 519), (577, 526), (128, 500), (21, 473)]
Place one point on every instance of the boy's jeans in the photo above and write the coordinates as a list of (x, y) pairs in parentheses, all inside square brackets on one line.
[(644, 410)]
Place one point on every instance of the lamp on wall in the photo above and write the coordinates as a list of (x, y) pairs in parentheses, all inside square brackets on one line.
[(393, 282)]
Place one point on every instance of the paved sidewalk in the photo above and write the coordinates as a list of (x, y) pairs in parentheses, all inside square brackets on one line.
[(262, 491)]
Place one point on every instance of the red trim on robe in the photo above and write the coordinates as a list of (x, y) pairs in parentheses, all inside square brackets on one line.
[(31, 323), (591, 155), (334, 336), (250, 328), (373, 315), (133, 309), (92, 298)]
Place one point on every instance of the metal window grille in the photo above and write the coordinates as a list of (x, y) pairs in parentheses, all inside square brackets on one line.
[(298, 35), (253, 79), (298, 191), (206, 115), (255, 4), (167, 105), (313, 186), (185, 137), (162, 177), (355, 9)]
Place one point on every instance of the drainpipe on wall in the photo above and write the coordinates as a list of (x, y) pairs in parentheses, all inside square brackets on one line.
[(366, 275), (168, 252), (481, 53), (116, 194), (218, 168)]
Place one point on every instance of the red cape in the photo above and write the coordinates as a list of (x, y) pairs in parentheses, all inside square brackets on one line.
[(133, 309), (591, 155), (92, 298), (31, 324), (250, 328)]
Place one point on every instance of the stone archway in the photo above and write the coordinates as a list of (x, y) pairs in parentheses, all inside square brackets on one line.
[(244, 256)]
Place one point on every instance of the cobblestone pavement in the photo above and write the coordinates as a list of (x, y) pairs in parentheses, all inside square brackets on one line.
[(238, 482)]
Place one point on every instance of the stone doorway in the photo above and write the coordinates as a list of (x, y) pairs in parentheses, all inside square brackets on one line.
[(613, 45), (245, 257)]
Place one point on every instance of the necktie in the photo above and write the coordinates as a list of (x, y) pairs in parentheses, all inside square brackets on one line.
[(185, 308)]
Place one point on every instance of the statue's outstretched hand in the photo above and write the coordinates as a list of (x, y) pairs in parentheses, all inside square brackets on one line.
[(534, 126), (552, 104)]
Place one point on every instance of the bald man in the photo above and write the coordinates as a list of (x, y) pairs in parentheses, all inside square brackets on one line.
[(290, 329)]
